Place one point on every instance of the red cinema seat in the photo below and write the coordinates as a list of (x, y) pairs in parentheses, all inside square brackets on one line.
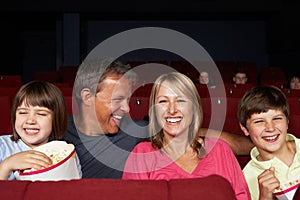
[(10, 80), (226, 69), (71, 104), (5, 121), (291, 92), (202, 90), (251, 69), (139, 107), (9, 91), (143, 90), (273, 76), (66, 91), (294, 125), (294, 104)]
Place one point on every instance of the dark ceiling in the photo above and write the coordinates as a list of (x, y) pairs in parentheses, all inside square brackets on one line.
[(154, 8)]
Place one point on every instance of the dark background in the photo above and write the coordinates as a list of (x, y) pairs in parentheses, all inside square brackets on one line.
[(33, 33)]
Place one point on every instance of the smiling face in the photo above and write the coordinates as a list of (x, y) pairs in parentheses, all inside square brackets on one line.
[(111, 102), (268, 131), (33, 124), (173, 111)]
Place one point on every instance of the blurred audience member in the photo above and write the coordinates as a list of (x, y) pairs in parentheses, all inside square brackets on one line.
[(204, 79), (240, 76), (294, 81)]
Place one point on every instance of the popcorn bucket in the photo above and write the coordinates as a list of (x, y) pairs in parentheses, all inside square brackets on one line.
[(64, 164), (288, 189)]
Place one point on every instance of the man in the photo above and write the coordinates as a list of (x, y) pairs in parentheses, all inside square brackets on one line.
[(101, 131), (240, 76)]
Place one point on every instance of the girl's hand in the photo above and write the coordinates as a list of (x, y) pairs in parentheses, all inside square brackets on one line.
[(267, 184), (24, 160)]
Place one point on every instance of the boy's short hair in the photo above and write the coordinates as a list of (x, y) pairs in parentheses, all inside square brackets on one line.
[(261, 99)]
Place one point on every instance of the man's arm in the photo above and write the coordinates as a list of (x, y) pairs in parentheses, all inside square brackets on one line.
[(240, 144)]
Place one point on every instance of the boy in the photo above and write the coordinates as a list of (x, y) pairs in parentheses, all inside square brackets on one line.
[(263, 115)]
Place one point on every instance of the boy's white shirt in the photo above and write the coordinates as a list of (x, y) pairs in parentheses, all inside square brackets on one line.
[(283, 172)]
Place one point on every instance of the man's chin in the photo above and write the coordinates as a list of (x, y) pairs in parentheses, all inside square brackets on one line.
[(112, 133), (113, 130)]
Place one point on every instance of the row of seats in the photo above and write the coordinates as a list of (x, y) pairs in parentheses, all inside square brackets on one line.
[(229, 90), (10, 80), (237, 91), (226, 68), (266, 75), (64, 76)]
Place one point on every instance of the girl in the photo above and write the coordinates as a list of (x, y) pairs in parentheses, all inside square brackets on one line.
[(38, 116)]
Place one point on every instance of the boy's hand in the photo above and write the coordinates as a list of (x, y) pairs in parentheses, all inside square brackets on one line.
[(24, 160), (267, 183)]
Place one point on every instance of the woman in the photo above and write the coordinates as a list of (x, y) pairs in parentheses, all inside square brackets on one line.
[(175, 150)]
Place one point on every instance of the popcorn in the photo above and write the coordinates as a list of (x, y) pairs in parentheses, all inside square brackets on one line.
[(57, 155), (63, 166), (56, 152), (287, 189)]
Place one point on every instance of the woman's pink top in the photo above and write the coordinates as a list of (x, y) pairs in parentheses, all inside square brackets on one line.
[(146, 162)]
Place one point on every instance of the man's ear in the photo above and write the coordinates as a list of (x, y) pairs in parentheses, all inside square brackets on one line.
[(86, 96), (244, 129)]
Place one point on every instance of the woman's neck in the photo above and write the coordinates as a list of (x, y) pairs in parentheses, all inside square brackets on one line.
[(175, 147)]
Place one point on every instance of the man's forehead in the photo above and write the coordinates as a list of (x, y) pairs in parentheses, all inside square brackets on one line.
[(115, 79), (112, 75)]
